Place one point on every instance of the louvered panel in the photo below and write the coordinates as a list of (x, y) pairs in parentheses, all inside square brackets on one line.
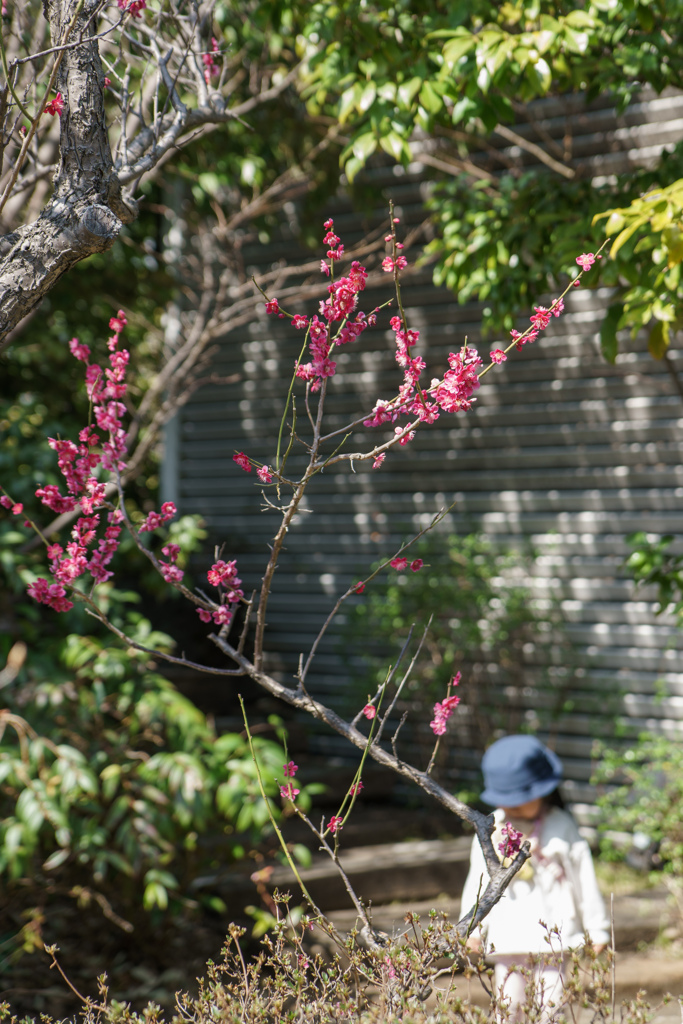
[(562, 453)]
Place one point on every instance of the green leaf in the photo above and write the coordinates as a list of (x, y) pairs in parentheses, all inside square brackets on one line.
[(367, 97), (615, 222), (348, 100), (392, 144), (672, 239), (662, 219), (364, 146), (463, 110), (155, 896), (576, 42), (658, 342), (609, 344), (430, 99), (579, 19), (458, 47), (209, 183), (56, 859), (407, 92), (302, 855), (624, 235)]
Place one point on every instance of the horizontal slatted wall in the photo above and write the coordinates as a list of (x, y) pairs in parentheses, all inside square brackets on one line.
[(561, 451)]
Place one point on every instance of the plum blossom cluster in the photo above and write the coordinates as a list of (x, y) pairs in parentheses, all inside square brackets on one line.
[(401, 562), (511, 841), (224, 576), (211, 68), (540, 319), (132, 7), (264, 473), (541, 316), (452, 394), (15, 507), (87, 551), (443, 710), (338, 308), (288, 791), (586, 260), (55, 106)]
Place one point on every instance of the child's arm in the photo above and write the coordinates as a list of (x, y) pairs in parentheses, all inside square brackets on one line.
[(588, 897)]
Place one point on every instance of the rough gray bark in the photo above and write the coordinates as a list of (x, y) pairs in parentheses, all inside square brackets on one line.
[(87, 209)]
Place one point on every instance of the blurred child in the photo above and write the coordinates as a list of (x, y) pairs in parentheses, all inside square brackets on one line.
[(555, 889)]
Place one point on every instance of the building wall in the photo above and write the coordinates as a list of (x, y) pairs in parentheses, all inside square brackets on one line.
[(562, 453)]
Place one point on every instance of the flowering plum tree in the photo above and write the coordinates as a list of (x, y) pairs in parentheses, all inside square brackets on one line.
[(100, 455)]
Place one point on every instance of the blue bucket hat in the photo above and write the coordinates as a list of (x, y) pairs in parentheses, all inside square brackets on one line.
[(518, 769)]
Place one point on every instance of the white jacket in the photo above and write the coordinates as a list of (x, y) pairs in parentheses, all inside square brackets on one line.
[(562, 892)]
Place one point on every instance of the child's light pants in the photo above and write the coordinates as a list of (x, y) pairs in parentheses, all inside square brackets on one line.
[(511, 985)]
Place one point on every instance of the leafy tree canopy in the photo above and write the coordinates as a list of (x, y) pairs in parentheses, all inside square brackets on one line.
[(438, 82)]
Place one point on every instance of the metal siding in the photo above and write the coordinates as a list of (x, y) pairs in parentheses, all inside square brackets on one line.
[(561, 451)]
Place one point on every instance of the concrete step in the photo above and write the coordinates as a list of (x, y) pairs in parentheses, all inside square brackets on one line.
[(411, 870)]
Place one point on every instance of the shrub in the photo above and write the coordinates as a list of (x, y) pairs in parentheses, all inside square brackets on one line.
[(644, 797), (106, 793)]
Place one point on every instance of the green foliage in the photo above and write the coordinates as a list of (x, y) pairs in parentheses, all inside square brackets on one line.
[(509, 247), (652, 563), (391, 68), (484, 623), (109, 777), (650, 229), (458, 71), (643, 792)]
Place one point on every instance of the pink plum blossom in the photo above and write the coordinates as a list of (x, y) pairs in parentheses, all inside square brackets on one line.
[(512, 840), (78, 350), (16, 508), (242, 461), (585, 260), (442, 712), (55, 106)]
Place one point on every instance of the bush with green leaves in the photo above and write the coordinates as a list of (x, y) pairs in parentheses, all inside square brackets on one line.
[(652, 562), (642, 793), (109, 778), (483, 622)]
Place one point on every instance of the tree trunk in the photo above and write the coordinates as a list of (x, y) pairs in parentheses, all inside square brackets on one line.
[(87, 210)]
